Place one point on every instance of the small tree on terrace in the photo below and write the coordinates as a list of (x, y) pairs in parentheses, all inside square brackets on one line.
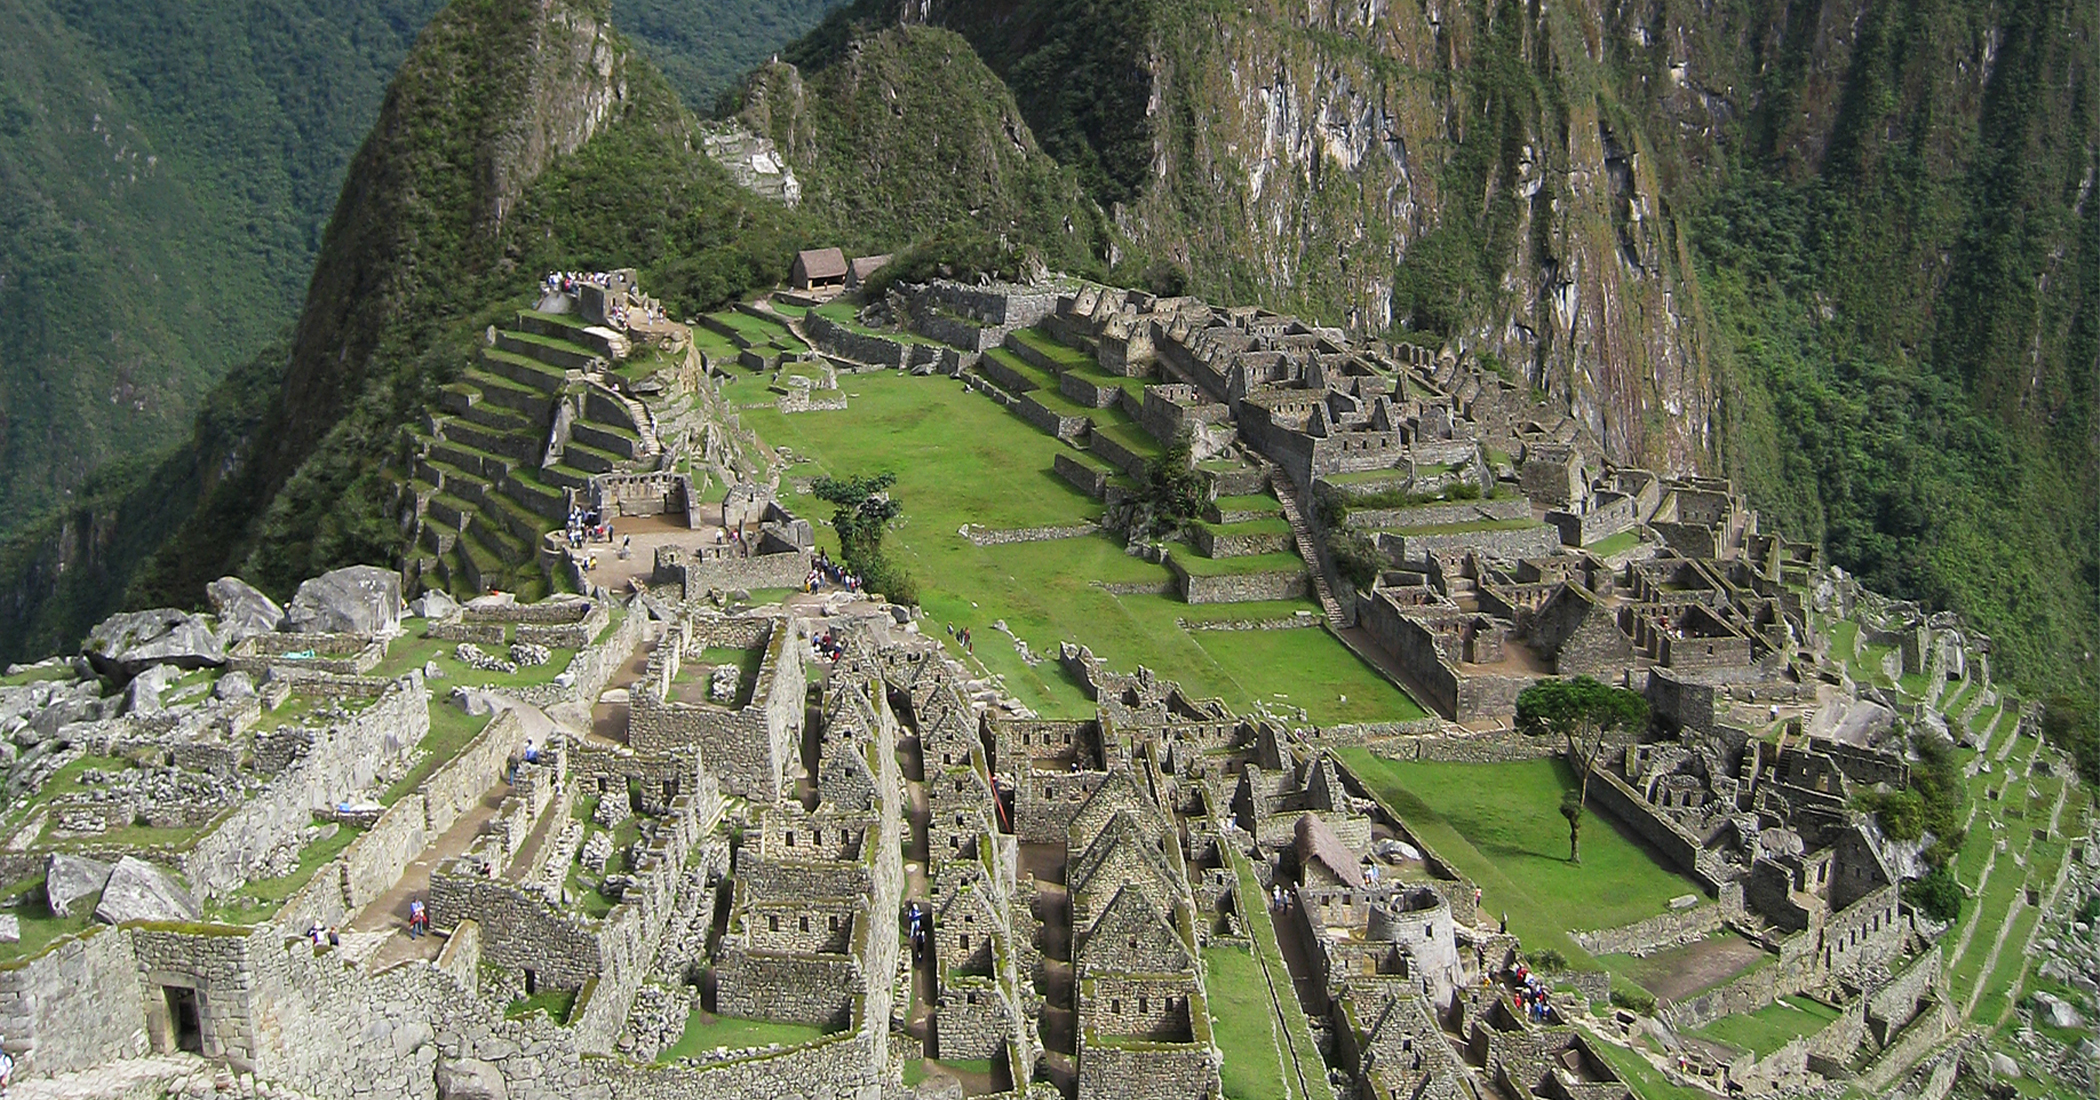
[(1173, 492), (1585, 713)]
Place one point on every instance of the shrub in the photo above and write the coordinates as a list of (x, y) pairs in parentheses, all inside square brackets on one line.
[(1936, 895), (1634, 998)]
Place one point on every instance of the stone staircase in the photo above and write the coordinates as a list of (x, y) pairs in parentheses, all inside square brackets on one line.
[(1309, 547), (519, 435)]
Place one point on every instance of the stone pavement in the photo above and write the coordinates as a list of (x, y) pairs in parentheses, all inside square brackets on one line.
[(180, 1076)]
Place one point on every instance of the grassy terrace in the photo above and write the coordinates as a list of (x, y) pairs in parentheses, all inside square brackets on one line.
[(1258, 1026), (1615, 544), (960, 458), (1039, 340), (1274, 525), (1380, 477), (1199, 566), (842, 313), (1259, 502), (1501, 825), (258, 900), (705, 1031), (1763, 1032), (1466, 528)]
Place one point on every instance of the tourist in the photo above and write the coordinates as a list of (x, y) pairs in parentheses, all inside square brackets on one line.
[(7, 1069), (418, 919), (316, 934), (1505, 922), (532, 752)]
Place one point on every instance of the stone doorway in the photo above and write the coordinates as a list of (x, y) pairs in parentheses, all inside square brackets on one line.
[(185, 1020)]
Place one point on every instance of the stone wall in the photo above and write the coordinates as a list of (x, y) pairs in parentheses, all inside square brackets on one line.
[(1087, 479), (1486, 747), (1046, 802), (810, 989), (839, 1065), (1656, 933), (748, 749), (1213, 543), (1608, 514), (1146, 1071), (346, 758), (212, 962), (1047, 419), (980, 536), (70, 1007), (651, 494), (1674, 841), (1239, 587), (1434, 515), (833, 338), (1115, 454), (522, 930), (1510, 544), (701, 569)]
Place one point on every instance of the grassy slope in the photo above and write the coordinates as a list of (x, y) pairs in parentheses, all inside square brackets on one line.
[(962, 459), (1501, 824)]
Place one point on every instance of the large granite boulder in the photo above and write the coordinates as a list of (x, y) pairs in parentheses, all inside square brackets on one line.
[(363, 599), (470, 1079), (138, 890), (142, 695), (128, 643), (70, 881), (433, 604), (243, 610)]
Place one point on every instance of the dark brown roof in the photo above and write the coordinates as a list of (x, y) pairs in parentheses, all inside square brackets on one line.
[(822, 263), (864, 266), (1318, 844)]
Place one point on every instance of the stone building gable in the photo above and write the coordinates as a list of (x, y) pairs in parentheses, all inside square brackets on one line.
[(1117, 794), (1119, 857), (844, 779), (950, 739), (1323, 860), (1323, 786), (1133, 935), (1580, 634), (1856, 868), (967, 926)]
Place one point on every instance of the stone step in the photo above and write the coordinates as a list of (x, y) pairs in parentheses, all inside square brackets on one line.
[(514, 518), (536, 405), (561, 475), (524, 370), (452, 511), (616, 441), (591, 459), (446, 477), (496, 418)]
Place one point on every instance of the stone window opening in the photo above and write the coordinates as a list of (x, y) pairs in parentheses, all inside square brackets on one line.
[(834, 922), (805, 924), (532, 981), (772, 922), (1115, 1006), (791, 838), (966, 941)]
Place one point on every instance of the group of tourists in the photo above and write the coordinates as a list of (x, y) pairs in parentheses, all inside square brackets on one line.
[(962, 637), (822, 571), (568, 282), (828, 647), (1530, 995)]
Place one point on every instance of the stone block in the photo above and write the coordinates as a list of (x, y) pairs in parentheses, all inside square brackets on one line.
[(243, 610), (71, 880), (139, 891)]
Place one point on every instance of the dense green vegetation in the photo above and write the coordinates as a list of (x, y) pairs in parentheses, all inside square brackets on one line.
[(704, 46), (166, 167)]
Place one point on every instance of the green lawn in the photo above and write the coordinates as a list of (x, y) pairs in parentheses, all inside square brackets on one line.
[(450, 730), (1644, 1079), (556, 1003), (1763, 1032), (413, 652), (1467, 528), (1501, 824), (1615, 544), (1260, 502), (1246, 1027), (705, 1031), (960, 458)]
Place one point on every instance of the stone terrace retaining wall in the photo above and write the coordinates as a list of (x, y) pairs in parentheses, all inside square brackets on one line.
[(1657, 932), (840, 1065), (1067, 428), (1496, 747), (1431, 515), (1116, 455), (1672, 839), (980, 536), (1508, 543), (1085, 478), (833, 338), (1239, 587), (1214, 545)]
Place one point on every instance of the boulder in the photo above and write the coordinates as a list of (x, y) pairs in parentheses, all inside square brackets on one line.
[(234, 687), (71, 880), (494, 601), (10, 929), (143, 694), (138, 890), (242, 609), (470, 1079), (2056, 1012), (362, 599), (433, 605), (130, 642), (2002, 1065)]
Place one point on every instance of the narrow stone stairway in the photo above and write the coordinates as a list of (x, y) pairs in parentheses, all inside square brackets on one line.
[(1309, 548)]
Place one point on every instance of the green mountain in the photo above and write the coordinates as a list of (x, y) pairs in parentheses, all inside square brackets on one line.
[(166, 167), (1842, 252), (704, 47)]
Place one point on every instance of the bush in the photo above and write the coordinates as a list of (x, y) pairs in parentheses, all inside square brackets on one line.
[(1356, 555), (1634, 998), (1548, 959), (883, 574), (1936, 895), (1902, 813)]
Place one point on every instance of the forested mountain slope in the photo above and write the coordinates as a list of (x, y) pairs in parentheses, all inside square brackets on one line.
[(1843, 251), (166, 167)]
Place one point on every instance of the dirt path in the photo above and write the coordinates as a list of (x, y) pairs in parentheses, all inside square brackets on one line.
[(389, 911)]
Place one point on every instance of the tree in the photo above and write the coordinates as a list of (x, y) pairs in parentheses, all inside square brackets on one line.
[(863, 508), (1585, 713), (1173, 491)]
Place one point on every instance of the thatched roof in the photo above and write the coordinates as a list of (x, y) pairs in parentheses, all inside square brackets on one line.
[(1316, 843)]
